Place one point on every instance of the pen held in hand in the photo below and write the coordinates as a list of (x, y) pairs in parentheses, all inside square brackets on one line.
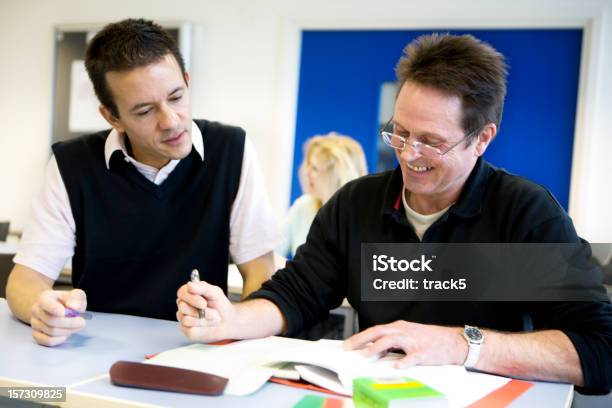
[(68, 312), (195, 277)]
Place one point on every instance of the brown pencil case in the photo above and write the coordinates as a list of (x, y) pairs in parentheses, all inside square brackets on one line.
[(156, 377)]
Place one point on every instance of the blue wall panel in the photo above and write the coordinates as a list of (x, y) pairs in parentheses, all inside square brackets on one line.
[(341, 73)]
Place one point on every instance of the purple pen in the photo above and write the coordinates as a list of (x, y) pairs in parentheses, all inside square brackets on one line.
[(75, 313)]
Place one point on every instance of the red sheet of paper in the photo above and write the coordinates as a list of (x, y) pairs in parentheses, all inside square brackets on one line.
[(503, 396)]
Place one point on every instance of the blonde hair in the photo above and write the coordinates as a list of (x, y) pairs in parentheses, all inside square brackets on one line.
[(341, 157)]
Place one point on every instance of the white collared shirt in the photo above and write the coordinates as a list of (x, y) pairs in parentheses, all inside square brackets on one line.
[(49, 238)]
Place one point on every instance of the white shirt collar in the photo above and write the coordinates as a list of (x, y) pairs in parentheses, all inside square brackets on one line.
[(116, 141)]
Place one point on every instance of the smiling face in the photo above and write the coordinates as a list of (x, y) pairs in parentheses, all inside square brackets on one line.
[(429, 116), (154, 111)]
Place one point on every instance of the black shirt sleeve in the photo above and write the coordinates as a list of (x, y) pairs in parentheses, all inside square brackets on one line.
[(587, 324), (314, 282), (589, 327)]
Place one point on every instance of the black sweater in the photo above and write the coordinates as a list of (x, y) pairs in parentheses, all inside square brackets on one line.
[(494, 206), (137, 242)]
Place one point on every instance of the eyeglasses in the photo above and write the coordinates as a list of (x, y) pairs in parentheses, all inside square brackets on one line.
[(427, 151)]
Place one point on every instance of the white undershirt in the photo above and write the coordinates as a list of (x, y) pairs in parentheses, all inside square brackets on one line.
[(49, 239), (419, 221)]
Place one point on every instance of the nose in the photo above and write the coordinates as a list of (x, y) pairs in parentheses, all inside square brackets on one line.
[(409, 153), (167, 118)]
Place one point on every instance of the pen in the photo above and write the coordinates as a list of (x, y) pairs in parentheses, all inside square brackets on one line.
[(68, 312), (195, 277)]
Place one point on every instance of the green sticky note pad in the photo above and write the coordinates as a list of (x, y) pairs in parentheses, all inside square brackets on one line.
[(395, 392), (310, 401)]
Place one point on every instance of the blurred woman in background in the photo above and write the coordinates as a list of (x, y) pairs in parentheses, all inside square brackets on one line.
[(330, 161)]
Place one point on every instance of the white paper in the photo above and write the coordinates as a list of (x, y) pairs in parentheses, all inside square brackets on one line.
[(324, 378), (328, 354), (286, 371), (83, 114), (248, 364)]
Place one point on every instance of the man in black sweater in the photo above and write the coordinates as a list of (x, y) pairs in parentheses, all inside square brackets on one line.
[(447, 112), (139, 207)]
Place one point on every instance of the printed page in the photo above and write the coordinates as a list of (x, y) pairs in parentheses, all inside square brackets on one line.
[(324, 378), (328, 354), (248, 364)]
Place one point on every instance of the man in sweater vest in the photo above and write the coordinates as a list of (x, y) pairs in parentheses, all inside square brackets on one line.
[(139, 207)]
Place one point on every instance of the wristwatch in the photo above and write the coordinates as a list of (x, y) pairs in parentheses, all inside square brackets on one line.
[(475, 338)]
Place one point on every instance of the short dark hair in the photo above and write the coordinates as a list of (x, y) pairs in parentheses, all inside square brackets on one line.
[(123, 46), (461, 66)]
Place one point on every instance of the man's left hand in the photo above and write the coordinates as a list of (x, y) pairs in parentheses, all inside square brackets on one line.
[(423, 344)]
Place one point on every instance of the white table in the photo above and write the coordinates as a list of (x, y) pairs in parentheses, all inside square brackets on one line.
[(82, 365)]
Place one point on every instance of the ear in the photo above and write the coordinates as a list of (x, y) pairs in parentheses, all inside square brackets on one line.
[(187, 78), (485, 137), (111, 119)]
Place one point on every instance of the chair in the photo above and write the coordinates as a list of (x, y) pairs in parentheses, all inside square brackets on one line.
[(602, 252), (592, 401), (6, 265), (4, 229)]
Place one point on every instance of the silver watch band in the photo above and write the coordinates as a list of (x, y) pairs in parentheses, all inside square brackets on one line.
[(472, 356)]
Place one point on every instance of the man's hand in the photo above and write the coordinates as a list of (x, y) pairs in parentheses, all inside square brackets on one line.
[(423, 344), (220, 312), (50, 327)]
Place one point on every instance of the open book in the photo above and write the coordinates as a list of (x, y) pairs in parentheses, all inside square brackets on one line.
[(249, 364)]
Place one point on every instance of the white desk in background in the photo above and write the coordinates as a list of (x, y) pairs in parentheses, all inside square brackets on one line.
[(82, 365), (8, 248)]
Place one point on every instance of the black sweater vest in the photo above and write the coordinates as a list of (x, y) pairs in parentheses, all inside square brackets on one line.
[(136, 242)]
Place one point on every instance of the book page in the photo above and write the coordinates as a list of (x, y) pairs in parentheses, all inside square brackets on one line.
[(248, 364), (328, 354)]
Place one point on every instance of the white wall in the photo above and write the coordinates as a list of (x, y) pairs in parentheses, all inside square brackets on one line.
[(245, 66)]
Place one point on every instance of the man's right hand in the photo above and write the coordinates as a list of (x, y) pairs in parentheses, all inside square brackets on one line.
[(220, 312), (50, 326)]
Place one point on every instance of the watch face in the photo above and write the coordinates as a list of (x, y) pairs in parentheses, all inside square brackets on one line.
[(473, 333)]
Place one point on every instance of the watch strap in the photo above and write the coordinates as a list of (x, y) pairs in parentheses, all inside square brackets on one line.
[(472, 356)]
